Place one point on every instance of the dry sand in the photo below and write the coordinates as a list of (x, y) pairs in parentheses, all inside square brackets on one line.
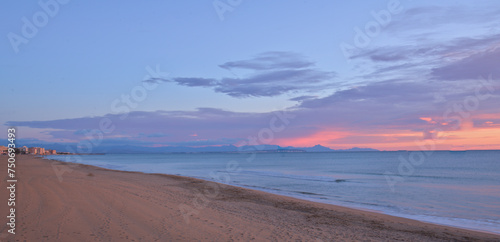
[(95, 204)]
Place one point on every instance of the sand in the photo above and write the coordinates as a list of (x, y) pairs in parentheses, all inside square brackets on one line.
[(58, 201)]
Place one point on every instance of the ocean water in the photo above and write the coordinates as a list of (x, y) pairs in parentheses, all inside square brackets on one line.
[(460, 189)]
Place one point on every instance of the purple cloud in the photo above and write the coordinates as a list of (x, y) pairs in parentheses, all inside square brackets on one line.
[(181, 126), (302, 98), (274, 73), (271, 60), (370, 109), (196, 82), (483, 64), (433, 17)]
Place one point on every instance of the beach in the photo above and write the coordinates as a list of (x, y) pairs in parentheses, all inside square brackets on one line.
[(58, 201)]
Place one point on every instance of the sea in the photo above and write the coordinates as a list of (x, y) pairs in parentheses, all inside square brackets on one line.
[(455, 188)]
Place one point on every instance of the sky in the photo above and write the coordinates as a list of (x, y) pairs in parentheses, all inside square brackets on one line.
[(389, 75)]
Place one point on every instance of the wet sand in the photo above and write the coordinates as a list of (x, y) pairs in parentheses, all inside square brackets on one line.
[(57, 201)]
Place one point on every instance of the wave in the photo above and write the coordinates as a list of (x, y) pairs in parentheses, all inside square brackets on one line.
[(407, 176), (292, 176)]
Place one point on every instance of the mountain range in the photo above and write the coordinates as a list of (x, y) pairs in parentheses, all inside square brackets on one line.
[(104, 148)]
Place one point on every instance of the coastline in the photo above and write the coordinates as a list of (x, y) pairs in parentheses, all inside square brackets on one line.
[(91, 203)]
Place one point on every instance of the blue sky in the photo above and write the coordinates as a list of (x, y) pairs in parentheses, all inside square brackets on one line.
[(262, 56)]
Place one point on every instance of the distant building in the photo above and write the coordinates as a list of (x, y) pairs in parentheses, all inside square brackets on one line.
[(24, 150), (38, 151), (3, 150), (33, 150)]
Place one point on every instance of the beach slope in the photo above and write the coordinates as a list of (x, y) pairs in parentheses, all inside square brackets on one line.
[(57, 201)]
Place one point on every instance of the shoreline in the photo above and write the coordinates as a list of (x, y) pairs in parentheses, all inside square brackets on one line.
[(473, 225), (360, 208), (91, 202)]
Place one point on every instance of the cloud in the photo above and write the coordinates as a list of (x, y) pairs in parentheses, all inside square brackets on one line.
[(153, 135), (273, 74), (371, 139), (487, 123), (159, 126), (383, 93), (393, 53), (270, 61), (406, 82), (302, 98), (433, 54), (484, 64), (196, 82), (435, 17), (430, 42), (367, 111), (205, 142), (461, 58), (397, 105)]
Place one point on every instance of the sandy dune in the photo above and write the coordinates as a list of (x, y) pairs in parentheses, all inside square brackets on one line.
[(94, 204)]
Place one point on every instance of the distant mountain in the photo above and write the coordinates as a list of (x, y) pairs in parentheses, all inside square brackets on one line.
[(317, 148), (130, 149), (359, 149)]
